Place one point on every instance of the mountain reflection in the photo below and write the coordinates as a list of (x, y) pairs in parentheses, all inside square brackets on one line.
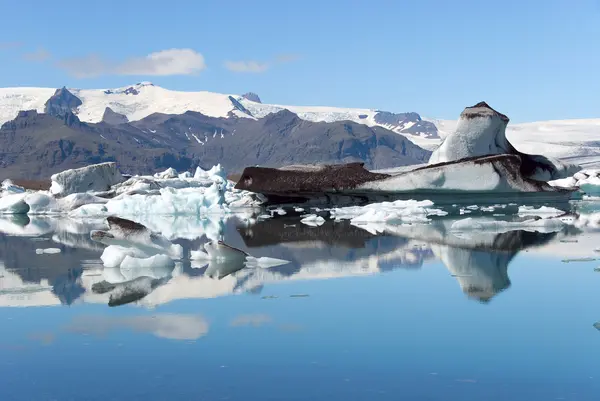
[(478, 260)]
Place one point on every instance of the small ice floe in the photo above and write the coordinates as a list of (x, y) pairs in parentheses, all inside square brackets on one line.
[(221, 253), (313, 220), (400, 211), (279, 211), (542, 211), (48, 251), (587, 180)]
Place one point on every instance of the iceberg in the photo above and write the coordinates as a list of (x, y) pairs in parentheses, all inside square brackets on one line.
[(587, 180), (13, 204), (96, 177), (168, 173), (409, 211), (476, 160), (9, 187), (481, 131)]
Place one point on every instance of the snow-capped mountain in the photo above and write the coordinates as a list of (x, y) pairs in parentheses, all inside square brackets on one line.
[(145, 127), (143, 99)]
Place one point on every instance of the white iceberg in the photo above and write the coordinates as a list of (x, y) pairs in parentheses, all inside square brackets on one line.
[(96, 177), (481, 131), (48, 251), (313, 220), (44, 203), (9, 187), (13, 204), (400, 211), (587, 180), (168, 173)]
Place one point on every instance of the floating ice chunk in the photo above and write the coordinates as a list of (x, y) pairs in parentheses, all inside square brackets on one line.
[(185, 174), (43, 203), (542, 211), (407, 211), (587, 180), (168, 173), (279, 211), (298, 209), (9, 187), (170, 201), (97, 177), (13, 204), (216, 173), (49, 251), (313, 220)]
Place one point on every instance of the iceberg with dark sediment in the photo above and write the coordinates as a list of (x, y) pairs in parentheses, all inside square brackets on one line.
[(481, 131), (476, 159)]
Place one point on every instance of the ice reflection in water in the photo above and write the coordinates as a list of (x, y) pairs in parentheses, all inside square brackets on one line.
[(478, 259), (400, 326)]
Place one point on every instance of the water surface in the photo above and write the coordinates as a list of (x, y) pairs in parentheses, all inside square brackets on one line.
[(417, 314)]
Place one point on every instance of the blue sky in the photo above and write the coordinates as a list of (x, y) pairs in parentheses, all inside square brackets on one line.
[(533, 60)]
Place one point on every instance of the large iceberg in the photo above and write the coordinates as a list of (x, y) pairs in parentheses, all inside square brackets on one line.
[(97, 177), (476, 159), (481, 131)]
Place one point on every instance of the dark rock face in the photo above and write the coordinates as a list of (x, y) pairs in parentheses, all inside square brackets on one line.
[(401, 120), (253, 97), (62, 103), (112, 118)]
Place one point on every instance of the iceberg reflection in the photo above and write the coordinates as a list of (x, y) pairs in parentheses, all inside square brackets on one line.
[(117, 266)]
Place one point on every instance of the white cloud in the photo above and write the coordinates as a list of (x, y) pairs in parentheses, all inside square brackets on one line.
[(247, 66), (164, 62), (171, 326), (38, 56)]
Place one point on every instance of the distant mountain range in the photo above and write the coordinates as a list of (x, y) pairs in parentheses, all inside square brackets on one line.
[(145, 128)]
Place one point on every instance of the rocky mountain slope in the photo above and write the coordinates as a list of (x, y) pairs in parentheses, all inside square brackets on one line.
[(36, 145)]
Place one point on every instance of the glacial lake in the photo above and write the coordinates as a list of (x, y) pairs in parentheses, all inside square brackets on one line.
[(411, 312)]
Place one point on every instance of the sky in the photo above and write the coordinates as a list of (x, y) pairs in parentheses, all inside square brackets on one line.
[(533, 60)]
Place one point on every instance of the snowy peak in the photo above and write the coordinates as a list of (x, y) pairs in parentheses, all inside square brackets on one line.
[(138, 101), (62, 103)]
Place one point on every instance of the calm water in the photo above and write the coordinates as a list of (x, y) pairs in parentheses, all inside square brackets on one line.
[(418, 314)]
